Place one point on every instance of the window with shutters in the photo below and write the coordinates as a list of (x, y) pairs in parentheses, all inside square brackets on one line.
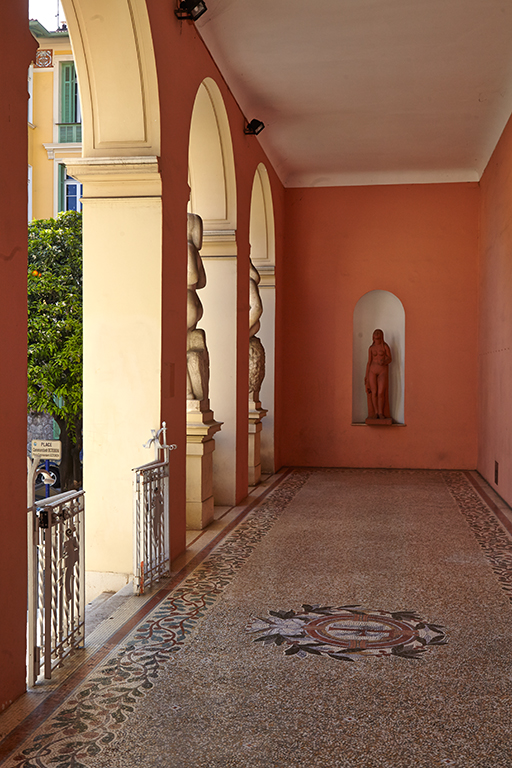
[(70, 191), (70, 123)]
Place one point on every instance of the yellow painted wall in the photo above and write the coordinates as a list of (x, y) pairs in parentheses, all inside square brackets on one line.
[(42, 133)]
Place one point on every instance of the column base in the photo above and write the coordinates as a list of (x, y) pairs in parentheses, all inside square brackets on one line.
[(256, 414), (201, 426)]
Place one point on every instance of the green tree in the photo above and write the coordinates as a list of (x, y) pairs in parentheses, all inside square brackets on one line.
[(55, 375)]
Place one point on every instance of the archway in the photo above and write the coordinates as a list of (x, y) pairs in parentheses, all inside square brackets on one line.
[(213, 197), (262, 242), (114, 58), (378, 309)]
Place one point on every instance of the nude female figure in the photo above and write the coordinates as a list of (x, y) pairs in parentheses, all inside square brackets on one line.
[(376, 379)]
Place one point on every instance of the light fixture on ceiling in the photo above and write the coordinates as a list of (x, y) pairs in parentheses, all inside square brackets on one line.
[(191, 9), (254, 127)]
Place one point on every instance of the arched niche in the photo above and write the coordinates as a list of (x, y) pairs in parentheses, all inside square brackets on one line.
[(378, 309), (262, 242), (211, 161), (117, 77)]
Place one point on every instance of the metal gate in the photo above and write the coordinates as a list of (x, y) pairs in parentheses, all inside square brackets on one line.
[(56, 595), (151, 517)]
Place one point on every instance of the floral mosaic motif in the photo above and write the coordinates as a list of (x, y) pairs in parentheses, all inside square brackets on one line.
[(91, 717), (347, 632), (44, 58), (491, 536)]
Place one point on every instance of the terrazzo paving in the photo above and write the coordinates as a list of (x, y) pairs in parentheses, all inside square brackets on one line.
[(352, 557)]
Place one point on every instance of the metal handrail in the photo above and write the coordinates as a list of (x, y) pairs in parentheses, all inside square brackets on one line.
[(56, 595)]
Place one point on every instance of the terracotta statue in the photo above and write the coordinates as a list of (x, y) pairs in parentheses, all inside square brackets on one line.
[(198, 362), (256, 349), (376, 379)]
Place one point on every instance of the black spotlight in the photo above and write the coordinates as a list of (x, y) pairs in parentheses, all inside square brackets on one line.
[(254, 127), (191, 9)]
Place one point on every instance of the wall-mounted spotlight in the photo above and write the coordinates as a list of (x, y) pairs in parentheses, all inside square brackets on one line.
[(254, 127), (191, 9)]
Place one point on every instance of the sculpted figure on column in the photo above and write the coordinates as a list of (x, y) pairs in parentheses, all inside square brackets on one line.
[(376, 379), (256, 349), (198, 363)]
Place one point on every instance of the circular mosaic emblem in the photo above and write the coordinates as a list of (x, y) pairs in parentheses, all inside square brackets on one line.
[(346, 632)]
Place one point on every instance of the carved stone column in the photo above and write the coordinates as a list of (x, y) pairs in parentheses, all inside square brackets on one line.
[(256, 414), (256, 376), (201, 426)]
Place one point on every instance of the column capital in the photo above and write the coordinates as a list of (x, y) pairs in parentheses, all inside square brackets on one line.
[(107, 177)]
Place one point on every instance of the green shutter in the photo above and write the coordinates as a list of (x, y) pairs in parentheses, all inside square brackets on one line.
[(62, 187), (68, 89), (70, 133)]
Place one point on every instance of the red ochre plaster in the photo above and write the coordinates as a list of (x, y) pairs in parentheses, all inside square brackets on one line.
[(495, 342), (178, 50), (19, 47), (420, 243)]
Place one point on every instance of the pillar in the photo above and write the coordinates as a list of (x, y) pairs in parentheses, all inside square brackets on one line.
[(256, 414), (122, 350)]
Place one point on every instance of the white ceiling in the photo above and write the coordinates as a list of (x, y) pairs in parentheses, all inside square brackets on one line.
[(368, 91)]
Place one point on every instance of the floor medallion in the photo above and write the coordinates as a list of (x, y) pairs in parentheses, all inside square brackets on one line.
[(347, 632)]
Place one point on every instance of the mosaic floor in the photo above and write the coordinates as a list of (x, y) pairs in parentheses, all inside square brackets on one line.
[(241, 658)]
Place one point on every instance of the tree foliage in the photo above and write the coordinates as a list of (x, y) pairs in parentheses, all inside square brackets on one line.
[(55, 375)]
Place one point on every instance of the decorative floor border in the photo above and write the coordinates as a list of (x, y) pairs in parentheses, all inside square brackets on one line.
[(483, 518), (90, 717), (92, 713)]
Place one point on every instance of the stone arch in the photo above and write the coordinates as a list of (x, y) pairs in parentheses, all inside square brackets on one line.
[(115, 62), (378, 309), (262, 242), (211, 161), (261, 227), (213, 197)]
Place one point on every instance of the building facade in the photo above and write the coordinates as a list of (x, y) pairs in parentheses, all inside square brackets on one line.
[(55, 125)]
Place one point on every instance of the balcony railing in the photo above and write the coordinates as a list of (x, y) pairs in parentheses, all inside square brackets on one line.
[(56, 595), (151, 489), (151, 515), (70, 133)]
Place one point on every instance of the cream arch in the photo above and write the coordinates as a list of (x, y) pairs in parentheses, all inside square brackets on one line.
[(211, 164), (261, 229), (114, 57), (262, 241), (213, 197)]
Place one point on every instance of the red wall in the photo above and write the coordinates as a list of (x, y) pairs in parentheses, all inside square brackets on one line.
[(183, 62), (495, 338), (18, 47), (418, 242)]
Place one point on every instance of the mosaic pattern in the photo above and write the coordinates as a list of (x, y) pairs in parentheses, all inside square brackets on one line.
[(44, 58), (91, 717), (491, 536), (347, 632)]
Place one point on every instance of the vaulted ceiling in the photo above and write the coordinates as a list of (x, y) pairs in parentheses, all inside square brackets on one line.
[(368, 91)]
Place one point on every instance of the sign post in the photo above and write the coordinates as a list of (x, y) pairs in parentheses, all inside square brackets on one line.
[(41, 449)]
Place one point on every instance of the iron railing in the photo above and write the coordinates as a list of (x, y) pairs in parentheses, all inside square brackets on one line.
[(151, 487), (151, 516), (56, 595)]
